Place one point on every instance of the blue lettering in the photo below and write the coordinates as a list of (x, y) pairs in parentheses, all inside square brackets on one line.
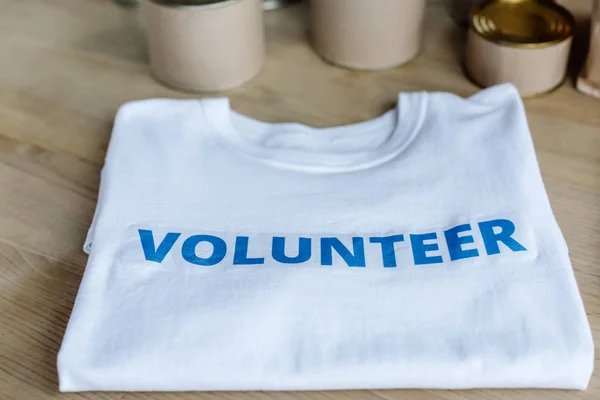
[(455, 243), (240, 256), (420, 249), (278, 251), (188, 250), (491, 238), (356, 259), (388, 253), (150, 251), (461, 244)]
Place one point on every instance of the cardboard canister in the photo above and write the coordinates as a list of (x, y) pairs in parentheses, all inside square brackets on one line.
[(589, 80), (204, 45), (524, 42), (367, 34)]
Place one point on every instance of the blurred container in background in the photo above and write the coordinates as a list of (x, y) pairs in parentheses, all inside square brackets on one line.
[(589, 81)]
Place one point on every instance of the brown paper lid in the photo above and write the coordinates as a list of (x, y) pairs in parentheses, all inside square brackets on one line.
[(522, 23)]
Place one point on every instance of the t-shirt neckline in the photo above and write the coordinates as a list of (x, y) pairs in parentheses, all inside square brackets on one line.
[(297, 146)]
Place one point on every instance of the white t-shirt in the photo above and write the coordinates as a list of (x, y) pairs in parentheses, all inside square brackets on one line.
[(417, 249)]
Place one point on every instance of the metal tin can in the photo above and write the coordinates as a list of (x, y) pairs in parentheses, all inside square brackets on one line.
[(204, 45), (524, 42)]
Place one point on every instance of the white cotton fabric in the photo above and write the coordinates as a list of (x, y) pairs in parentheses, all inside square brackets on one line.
[(195, 167)]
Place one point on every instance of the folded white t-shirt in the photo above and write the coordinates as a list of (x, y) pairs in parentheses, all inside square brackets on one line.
[(417, 249)]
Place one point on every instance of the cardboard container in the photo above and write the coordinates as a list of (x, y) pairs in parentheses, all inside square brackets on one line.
[(367, 34), (589, 81), (204, 45), (524, 42)]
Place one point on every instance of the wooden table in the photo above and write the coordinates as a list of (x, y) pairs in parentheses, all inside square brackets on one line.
[(67, 65)]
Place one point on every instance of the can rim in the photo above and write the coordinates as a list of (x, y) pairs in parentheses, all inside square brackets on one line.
[(196, 4), (502, 42)]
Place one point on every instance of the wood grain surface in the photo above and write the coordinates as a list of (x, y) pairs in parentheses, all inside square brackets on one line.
[(67, 65)]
